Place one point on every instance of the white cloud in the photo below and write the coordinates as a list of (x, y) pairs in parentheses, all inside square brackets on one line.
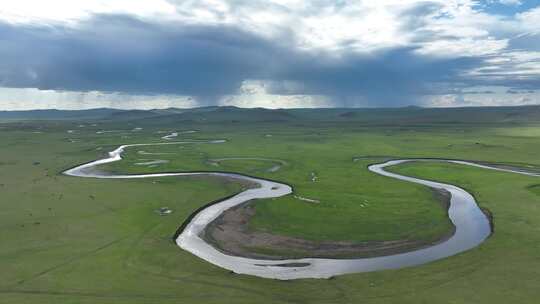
[(511, 2), (484, 96), (463, 47), (323, 25), (520, 65), (529, 21), (455, 27), (29, 99), (254, 94), (22, 11)]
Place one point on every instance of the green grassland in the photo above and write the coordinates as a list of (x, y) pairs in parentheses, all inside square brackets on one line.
[(80, 240), (387, 214)]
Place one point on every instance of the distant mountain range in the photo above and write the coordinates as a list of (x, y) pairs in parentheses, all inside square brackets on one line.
[(214, 114)]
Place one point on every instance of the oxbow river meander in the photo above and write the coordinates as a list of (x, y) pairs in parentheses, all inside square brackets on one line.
[(472, 226)]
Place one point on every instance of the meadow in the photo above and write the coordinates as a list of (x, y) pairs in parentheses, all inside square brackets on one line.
[(76, 240)]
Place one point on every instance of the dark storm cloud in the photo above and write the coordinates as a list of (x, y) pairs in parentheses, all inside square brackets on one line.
[(114, 53), (118, 53), (391, 77)]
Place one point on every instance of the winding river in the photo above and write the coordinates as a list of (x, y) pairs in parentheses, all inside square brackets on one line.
[(472, 225)]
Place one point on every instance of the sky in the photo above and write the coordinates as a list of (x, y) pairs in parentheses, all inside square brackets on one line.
[(148, 54)]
